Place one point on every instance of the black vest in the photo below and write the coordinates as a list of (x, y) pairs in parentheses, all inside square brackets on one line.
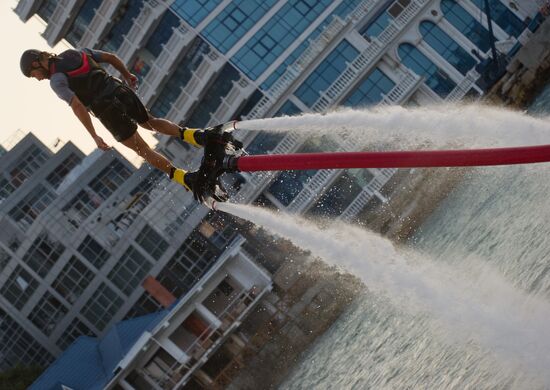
[(89, 81)]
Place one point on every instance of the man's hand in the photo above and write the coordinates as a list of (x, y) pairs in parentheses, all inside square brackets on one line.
[(132, 81), (100, 143)]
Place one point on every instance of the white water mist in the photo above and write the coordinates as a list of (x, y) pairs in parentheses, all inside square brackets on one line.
[(468, 125), (472, 304)]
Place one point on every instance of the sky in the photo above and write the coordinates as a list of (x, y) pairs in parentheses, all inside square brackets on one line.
[(30, 105)]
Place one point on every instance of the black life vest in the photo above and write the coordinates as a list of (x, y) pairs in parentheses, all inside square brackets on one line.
[(89, 81)]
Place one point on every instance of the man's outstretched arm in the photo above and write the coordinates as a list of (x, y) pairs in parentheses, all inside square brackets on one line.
[(84, 116)]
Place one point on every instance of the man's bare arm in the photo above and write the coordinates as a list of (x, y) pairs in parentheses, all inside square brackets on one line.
[(119, 65), (83, 115)]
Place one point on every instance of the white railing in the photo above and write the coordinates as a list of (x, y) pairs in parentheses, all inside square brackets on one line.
[(60, 16), (230, 103), (463, 87)]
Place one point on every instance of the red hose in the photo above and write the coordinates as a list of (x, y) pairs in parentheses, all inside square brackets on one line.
[(400, 159)]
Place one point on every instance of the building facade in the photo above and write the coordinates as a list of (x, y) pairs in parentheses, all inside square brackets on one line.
[(79, 235)]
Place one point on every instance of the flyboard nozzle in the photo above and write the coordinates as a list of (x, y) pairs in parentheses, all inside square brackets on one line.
[(210, 203), (229, 126)]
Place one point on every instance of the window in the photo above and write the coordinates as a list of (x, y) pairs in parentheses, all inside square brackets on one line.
[(466, 24), (195, 256), (124, 19), (162, 33), (109, 179), (213, 97), (93, 252), (447, 47), (180, 77), (73, 280), (6, 188), (129, 271), (79, 208), (502, 16), (56, 177), (46, 9), (194, 11), (19, 347), (83, 19), (326, 73), (31, 160), (4, 259), (234, 21), (152, 242), (277, 35), (19, 287), (28, 209), (436, 79), (337, 198), (371, 90), (47, 313), (73, 331), (43, 254), (102, 306)]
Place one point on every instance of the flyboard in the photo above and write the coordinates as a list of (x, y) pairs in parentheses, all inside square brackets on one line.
[(224, 157)]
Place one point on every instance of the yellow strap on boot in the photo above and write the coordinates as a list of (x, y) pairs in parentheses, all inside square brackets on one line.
[(178, 177), (189, 136)]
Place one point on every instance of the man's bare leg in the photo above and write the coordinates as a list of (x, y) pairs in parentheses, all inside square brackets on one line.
[(137, 144)]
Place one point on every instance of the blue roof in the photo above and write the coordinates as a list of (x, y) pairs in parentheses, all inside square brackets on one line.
[(89, 362)]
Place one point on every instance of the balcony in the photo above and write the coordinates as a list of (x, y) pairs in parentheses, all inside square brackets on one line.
[(162, 66), (467, 83), (103, 16), (142, 24), (240, 91), (60, 20)]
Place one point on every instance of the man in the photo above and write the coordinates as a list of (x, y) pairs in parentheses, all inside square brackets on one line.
[(77, 78)]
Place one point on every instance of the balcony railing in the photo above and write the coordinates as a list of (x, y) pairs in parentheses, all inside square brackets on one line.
[(463, 87), (102, 17), (60, 16)]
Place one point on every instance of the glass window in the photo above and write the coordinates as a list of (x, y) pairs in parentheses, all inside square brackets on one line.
[(180, 77), (81, 22), (162, 33), (30, 207), (194, 11), (6, 189), (502, 16), (441, 42), (46, 9), (124, 19), (102, 306), (56, 177), (376, 26), (73, 331), (337, 198), (73, 280), (213, 97), (371, 90), (29, 162), (93, 252), (129, 271), (436, 79), (277, 35), (43, 254), (47, 313), (326, 73), (5, 258), (193, 258), (466, 24), (109, 179), (19, 347), (234, 21), (152, 242), (81, 206), (19, 287)]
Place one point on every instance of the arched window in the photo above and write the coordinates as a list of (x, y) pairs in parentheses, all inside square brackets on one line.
[(502, 16), (441, 42), (466, 24), (436, 79)]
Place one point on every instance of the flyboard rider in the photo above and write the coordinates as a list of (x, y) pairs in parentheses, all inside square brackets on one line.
[(77, 77)]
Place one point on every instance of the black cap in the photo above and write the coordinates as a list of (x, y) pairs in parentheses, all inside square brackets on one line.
[(27, 58)]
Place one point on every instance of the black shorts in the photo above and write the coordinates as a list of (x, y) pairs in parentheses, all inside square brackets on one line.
[(121, 112)]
